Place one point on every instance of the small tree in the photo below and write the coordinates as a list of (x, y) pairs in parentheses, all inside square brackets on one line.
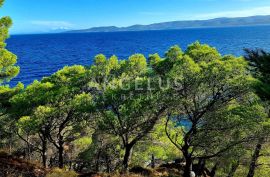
[(36, 126)]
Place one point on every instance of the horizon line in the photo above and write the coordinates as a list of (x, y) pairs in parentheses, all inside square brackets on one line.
[(52, 32)]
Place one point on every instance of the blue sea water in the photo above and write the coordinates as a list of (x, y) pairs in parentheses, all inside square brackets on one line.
[(40, 55)]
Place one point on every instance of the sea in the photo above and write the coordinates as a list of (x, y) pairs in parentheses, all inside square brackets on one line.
[(40, 55)]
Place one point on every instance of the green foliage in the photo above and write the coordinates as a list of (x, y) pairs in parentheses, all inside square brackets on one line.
[(263, 169), (113, 63), (174, 53), (1, 3), (83, 103), (101, 113), (8, 70), (103, 68), (259, 62), (202, 52), (83, 142), (154, 59), (157, 144), (5, 24), (100, 60), (34, 95), (213, 95), (136, 64), (55, 109), (68, 76), (26, 124), (6, 93)]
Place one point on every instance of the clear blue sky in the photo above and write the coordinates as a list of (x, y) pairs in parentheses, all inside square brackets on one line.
[(30, 16)]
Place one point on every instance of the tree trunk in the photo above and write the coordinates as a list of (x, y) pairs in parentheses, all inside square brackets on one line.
[(10, 142), (153, 164), (61, 152), (97, 161), (255, 157), (108, 162), (188, 159), (188, 166), (60, 156), (233, 169), (28, 149), (44, 153), (127, 157), (201, 167)]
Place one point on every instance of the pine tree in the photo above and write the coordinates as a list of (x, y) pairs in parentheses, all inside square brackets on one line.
[(8, 70)]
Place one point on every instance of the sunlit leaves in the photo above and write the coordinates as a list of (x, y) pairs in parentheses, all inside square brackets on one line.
[(202, 52), (66, 76), (154, 59), (8, 70), (136, 64), (174, 53)]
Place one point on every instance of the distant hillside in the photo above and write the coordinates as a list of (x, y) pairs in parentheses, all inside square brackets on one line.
[(217, 22)]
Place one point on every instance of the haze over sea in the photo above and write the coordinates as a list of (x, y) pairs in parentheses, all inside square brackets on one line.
[(40, 55)]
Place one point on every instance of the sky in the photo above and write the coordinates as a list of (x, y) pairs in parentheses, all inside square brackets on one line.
[(38, 16)]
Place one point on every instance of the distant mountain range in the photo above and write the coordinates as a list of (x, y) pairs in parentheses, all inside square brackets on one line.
[(217, 22)]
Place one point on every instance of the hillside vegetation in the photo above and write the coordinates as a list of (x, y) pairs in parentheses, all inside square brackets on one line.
[(189, 113)]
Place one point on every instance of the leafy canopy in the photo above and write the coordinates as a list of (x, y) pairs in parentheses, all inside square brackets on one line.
[(8, 70)]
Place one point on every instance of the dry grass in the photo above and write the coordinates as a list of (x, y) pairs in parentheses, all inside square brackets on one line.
[(57, 172), (145, 172), (14, 167)]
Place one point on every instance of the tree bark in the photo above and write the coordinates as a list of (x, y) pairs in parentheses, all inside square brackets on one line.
[(127, 157), (43, 149), (188, 156), (61, 152), (108, 162), (153, 164), (201, 167), (28, 152), (60, 157), (97, 161), (28, 149), (188, 166), (44, 153), (255, 157)]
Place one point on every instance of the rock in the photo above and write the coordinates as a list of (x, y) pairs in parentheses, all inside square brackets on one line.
[(192, 174)]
